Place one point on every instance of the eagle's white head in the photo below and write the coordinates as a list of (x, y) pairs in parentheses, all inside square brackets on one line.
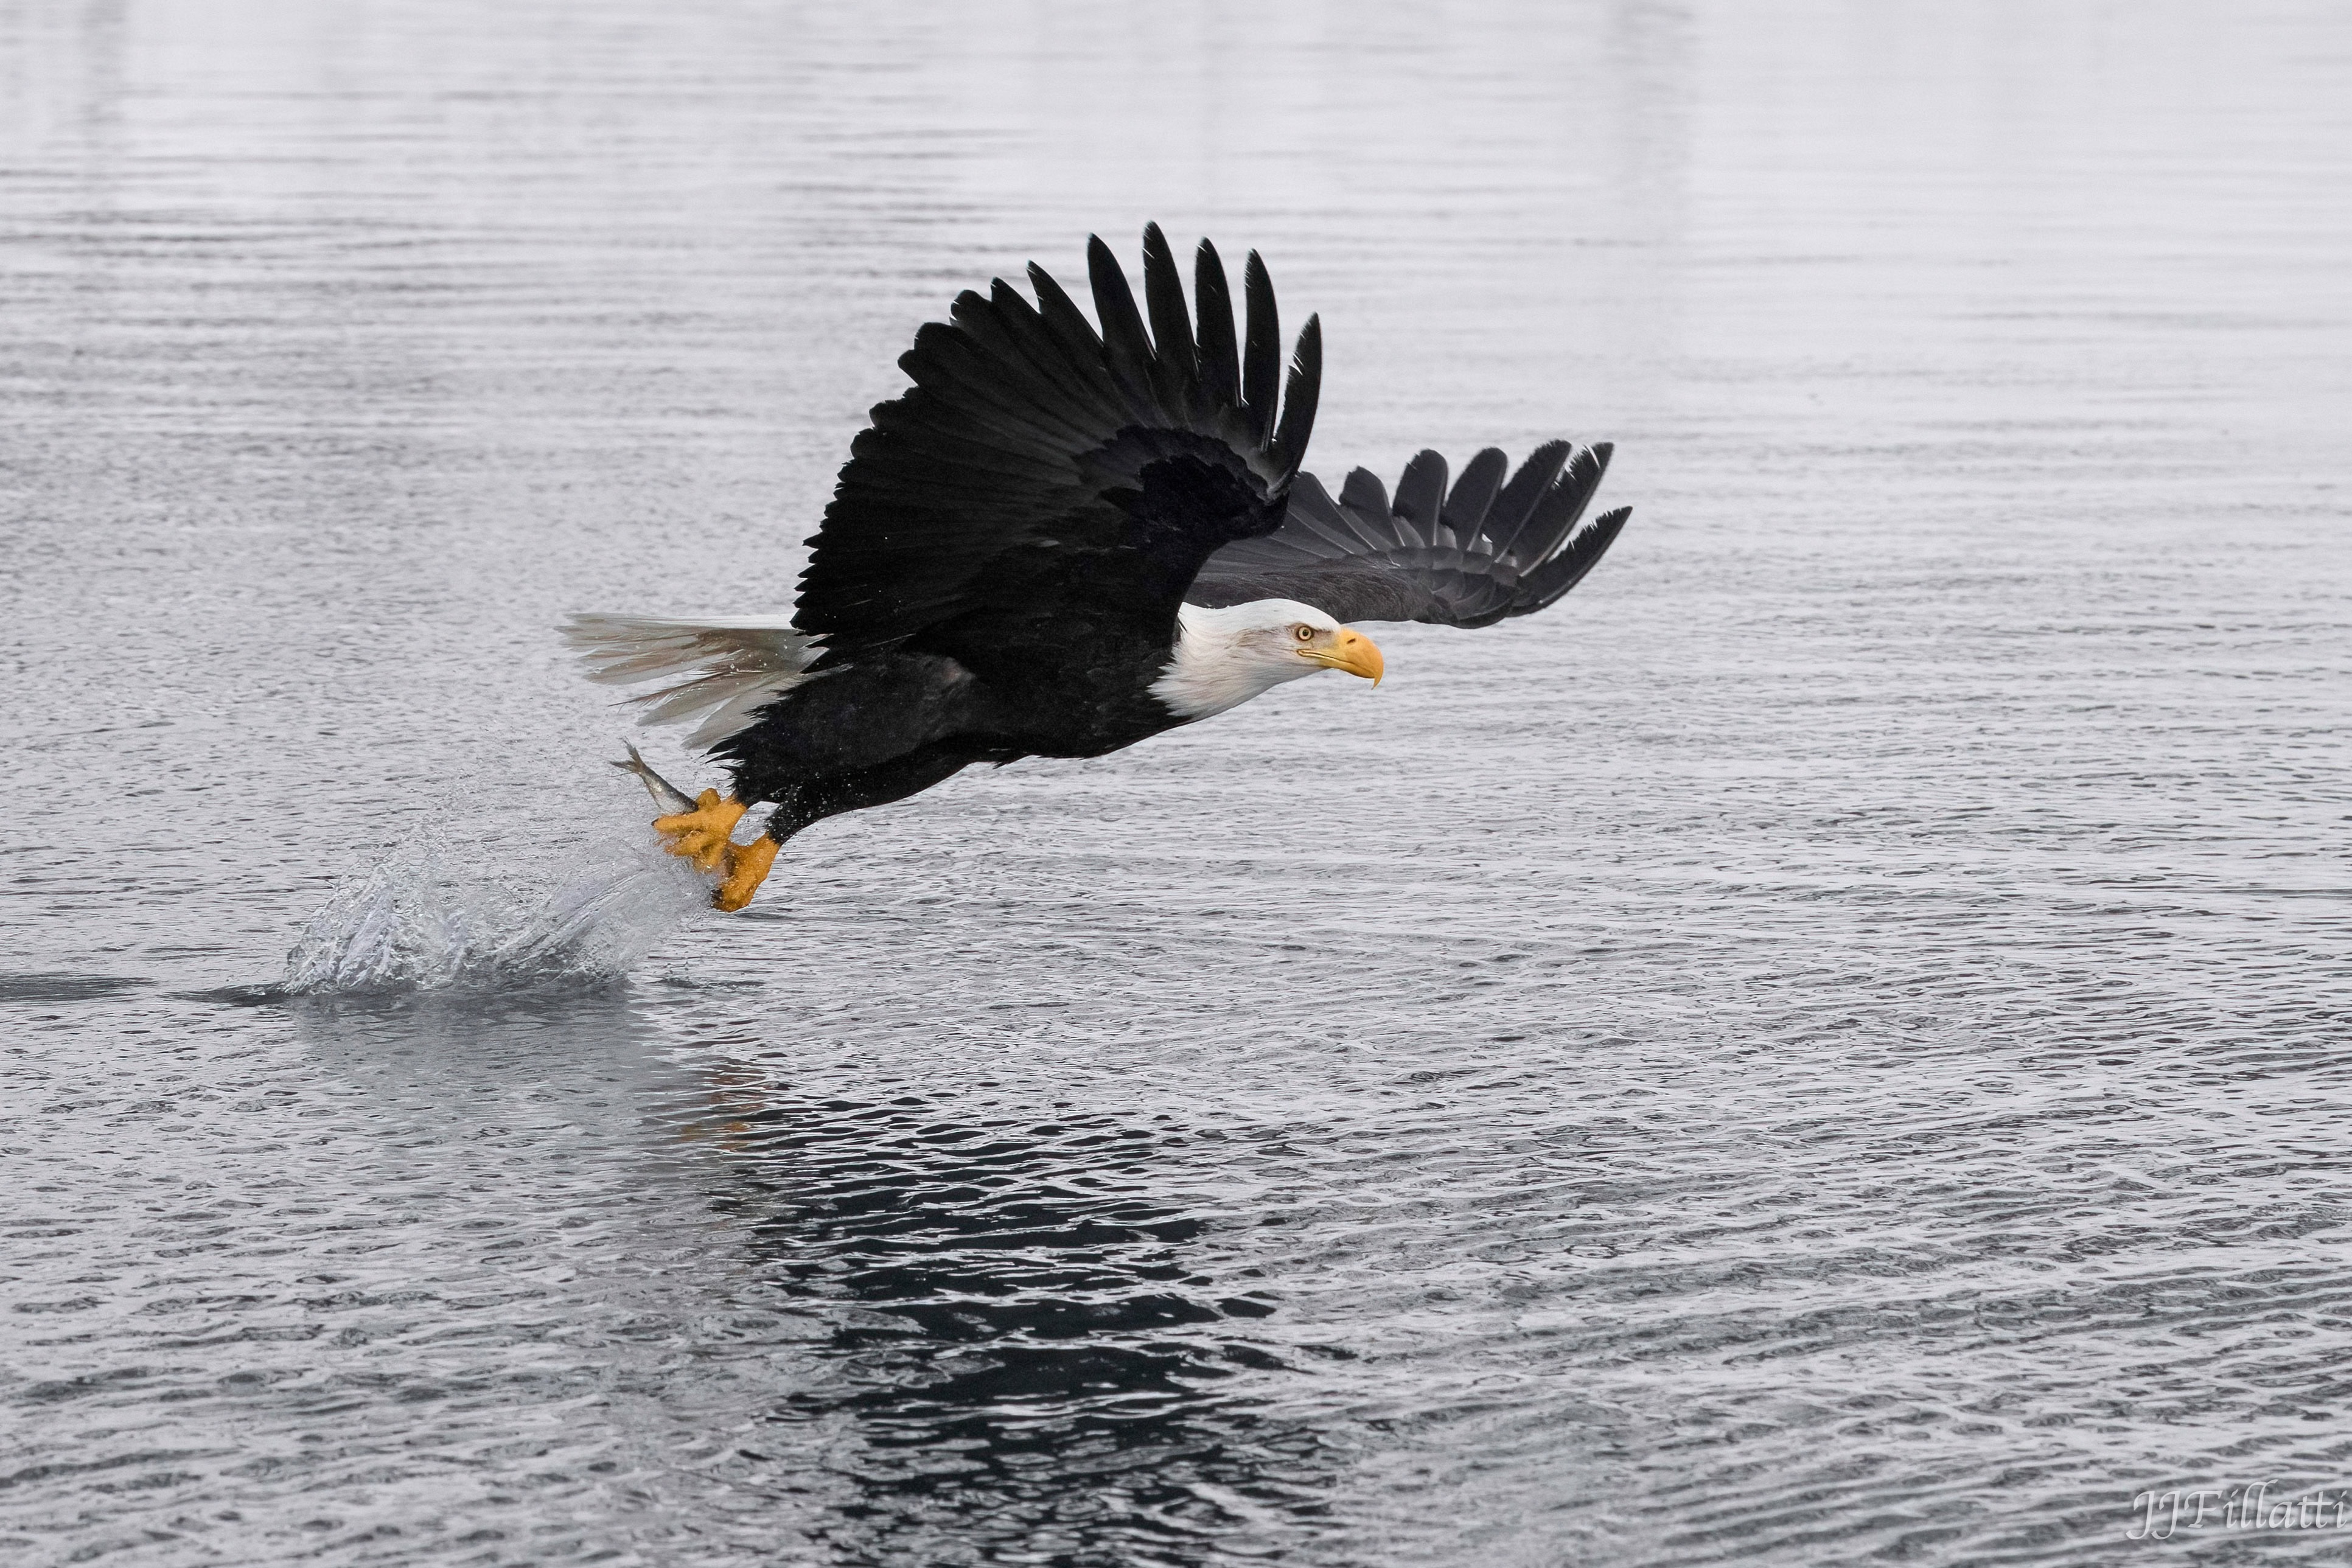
[(1225, 657)]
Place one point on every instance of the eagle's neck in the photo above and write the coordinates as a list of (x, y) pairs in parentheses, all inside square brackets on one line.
[(1225, 657)]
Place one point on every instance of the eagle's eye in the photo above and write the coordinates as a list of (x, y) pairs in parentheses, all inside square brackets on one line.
[(1307, 634)]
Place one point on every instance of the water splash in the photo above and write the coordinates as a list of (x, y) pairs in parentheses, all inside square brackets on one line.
[(430, 918)]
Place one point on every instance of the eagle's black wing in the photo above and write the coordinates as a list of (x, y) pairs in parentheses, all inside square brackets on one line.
[(1467, 557), (1042, 486)]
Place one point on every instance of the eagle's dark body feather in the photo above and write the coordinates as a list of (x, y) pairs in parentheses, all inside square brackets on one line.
[(1002, 567)]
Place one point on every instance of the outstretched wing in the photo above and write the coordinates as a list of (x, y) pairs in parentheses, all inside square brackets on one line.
[(1041, 482), (1468, 556)]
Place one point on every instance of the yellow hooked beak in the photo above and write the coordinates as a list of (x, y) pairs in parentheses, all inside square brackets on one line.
[(1350, 651)]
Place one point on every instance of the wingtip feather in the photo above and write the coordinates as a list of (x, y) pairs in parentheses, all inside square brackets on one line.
[(1261, 352), (1213, 311), (1175, 363), (1298, 400)]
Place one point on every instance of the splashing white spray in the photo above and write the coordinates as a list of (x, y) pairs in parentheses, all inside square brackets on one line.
[(428, 918)]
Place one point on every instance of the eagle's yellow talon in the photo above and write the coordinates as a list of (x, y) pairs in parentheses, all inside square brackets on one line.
[(701, 835), (747, 868)]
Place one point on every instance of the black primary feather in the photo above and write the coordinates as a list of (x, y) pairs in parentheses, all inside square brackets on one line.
[(1212, 307), (1127, 353), (1420, 492), (1508, 514), (1289, 447), (1484, 551), (1473, 494), (1174, 359), (1261, 350)]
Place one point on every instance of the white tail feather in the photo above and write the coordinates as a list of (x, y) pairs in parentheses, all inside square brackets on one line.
[(718, 672)]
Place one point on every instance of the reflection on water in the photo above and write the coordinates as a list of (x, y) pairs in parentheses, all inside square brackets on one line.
[(451, 1056), (1021, 1351), (1003, 1333)]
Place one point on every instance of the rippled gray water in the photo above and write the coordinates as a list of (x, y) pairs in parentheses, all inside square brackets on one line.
[(1828, 1047)]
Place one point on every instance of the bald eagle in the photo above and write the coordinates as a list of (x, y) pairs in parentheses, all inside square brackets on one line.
[(1063, 539)]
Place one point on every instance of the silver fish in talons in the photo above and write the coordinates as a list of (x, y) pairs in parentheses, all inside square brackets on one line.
[(667, 795)]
